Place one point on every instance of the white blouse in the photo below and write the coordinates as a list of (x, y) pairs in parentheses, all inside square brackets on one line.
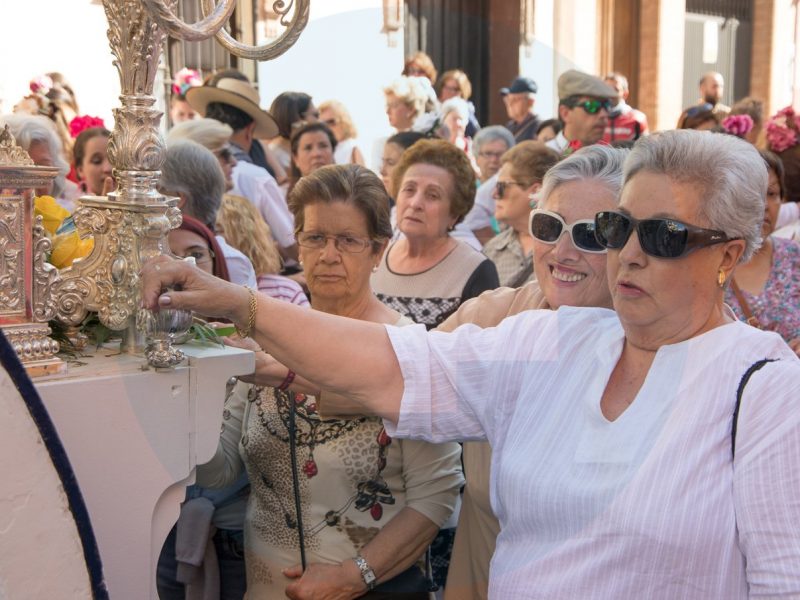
[(650, 505)]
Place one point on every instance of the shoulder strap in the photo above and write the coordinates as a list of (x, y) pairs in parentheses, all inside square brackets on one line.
[(751, 319), (742, 383)]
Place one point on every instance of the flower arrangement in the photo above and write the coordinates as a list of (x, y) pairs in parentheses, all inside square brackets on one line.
[(57, 221), (185, 79), (782, 130), (738, 125), (82, 123)]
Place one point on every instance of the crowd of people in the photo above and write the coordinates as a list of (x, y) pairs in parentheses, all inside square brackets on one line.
[(568, 364)]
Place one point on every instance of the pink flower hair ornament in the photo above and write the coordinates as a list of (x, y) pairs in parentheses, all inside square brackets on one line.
[(41, 84), (184, 80), (782, 130), (82, 123), (738, 125)]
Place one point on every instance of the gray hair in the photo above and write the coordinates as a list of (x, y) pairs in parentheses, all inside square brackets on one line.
[(490, 134), (192, 170), (729, 172), (602, 164), (28, 129), (210, 133)]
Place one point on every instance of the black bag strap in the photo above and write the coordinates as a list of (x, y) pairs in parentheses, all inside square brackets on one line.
[(742, 383)]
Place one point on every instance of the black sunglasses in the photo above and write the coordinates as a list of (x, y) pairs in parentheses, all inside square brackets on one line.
[(662, 238), (548, 227), (699, 108), (592, 106)]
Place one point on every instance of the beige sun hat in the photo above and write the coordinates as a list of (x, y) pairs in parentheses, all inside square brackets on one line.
[(239, 94)]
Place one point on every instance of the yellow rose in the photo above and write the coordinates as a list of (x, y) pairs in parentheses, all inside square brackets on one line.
[(69, 246), (51, 211)]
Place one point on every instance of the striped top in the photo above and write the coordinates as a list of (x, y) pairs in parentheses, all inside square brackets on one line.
[(282, 288), (650, 505)]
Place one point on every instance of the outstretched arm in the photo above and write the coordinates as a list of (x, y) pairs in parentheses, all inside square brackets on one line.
[(340, 354)]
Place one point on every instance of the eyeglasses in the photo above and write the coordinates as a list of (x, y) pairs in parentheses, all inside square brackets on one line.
[(548, 227), (343, 243), (593, 106), (501, 186), (494, 155), (662, 238)]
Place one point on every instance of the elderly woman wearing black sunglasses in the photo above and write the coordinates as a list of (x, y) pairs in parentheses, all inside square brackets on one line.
[(649, 452)]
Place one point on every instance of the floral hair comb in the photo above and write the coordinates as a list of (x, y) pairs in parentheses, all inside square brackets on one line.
[(782, 130), (185, 79)]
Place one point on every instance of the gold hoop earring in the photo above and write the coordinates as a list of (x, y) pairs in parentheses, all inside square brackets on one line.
[(721, 278)]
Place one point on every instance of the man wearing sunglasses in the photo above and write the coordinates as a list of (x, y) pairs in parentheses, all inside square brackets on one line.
[(583, 107)]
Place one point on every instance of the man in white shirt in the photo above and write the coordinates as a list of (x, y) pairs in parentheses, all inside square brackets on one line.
[(583, 107), (236, 103)]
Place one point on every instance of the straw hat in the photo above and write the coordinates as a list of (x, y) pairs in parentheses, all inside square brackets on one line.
[(236, 93)]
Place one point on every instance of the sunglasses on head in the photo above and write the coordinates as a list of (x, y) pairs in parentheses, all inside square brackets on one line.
[(700, 108), (662, 238), (593, 106), (548, 227)]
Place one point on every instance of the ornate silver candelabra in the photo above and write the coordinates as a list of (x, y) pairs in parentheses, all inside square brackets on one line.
[(131, 224)]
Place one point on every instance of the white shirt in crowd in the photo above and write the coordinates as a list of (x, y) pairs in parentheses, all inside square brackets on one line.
[(480, 216), (259, 187), (650, 505), (240, 269)]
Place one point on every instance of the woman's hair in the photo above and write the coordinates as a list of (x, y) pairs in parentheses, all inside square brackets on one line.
[(210, 133), (79, 148), (246, 230), (752, 107), (341, 113), (294, 141), (554, 124), (694, 116), (775, 164), (600, 164), (424, 62), (219, 266), (727, 172), (406, 139), (410, 91), (458, 105), (492, 133), (460, 78), (529, 161), (345, 183), (194, 171), (448, 157), (287, 109), (28, 129)]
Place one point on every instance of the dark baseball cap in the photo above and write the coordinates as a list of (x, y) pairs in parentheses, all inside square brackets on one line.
[(521, 85)]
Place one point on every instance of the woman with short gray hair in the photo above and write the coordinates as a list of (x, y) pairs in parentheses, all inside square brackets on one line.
[(38, 137), (488, 146), (194, 174), (645, 452)]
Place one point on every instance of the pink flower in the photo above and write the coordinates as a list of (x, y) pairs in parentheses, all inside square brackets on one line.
[(185, 79), (782, 131), (738, 125), (41, 84), (83, 122)]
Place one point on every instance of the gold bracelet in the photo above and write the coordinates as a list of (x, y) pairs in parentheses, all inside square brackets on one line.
[(251, 318)]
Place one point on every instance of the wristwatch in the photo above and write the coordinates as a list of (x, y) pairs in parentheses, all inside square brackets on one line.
[(366, 572)]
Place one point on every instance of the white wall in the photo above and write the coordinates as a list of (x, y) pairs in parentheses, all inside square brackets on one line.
[(69, 36), (341, 55), (538, 61)]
